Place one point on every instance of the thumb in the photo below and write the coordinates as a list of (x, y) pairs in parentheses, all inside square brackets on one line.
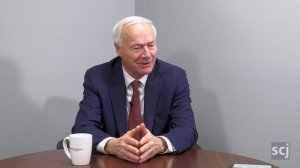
[(143, 129), (133, 131)]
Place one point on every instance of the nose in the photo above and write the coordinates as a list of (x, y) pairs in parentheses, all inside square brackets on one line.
[(146, 51)]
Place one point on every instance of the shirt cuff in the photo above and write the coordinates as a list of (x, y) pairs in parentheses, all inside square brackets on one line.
[(101, 145), (170, 148)]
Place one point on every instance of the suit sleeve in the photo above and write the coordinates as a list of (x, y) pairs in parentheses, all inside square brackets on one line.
[(183, 134), (88, 119)]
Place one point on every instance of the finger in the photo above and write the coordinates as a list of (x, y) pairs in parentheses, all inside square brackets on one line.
[(130, 144), (146, 137), (123, 149), (130, 139), (129, 157), (134, 131), (145, 147), (128, 152), (147, 155), (132, 148), (143, 129), (127, 149), (124, 143)]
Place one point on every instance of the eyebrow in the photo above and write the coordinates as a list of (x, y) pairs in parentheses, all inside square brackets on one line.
[(139, 44)]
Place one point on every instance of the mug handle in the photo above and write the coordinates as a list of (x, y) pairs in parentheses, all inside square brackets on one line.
[(66, 149)]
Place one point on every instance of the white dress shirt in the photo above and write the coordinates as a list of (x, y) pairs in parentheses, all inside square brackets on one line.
[(129, 92)]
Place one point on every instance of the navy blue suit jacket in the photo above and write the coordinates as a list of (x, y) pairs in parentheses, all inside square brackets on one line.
[(167, 104)]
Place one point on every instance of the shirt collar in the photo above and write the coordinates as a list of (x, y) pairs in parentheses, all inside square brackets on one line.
[(129, 79)]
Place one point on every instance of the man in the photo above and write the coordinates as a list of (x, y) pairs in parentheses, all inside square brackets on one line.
[(136, 121)]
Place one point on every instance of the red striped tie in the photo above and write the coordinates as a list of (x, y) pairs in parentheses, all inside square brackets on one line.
[(135, 116)]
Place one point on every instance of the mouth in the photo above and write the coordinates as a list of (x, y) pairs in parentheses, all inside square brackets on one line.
[(144, 63)]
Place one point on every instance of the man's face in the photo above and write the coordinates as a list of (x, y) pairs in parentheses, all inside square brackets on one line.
[(138, 49)]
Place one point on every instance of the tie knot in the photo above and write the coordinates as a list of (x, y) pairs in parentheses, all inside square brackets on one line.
[(135, 84)]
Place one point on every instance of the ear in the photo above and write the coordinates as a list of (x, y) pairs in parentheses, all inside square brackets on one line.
[(118, 49)]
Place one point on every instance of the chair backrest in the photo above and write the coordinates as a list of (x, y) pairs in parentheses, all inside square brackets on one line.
[(59, 145)]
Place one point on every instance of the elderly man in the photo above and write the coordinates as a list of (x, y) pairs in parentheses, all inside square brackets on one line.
[(136, 106)]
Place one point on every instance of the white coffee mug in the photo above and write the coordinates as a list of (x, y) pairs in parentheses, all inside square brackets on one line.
[(80, 148)]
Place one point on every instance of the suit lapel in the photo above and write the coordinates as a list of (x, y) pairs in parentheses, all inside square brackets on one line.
[(118, 97), (152, 91)]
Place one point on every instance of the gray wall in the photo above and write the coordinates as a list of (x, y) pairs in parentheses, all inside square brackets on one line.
[(242, 58), (243, 62), (45, 48)]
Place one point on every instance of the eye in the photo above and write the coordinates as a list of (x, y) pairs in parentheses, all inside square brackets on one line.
[(151, 46), (136, 49)]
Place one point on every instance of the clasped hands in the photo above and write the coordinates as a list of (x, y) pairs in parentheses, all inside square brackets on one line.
[(128, 148)]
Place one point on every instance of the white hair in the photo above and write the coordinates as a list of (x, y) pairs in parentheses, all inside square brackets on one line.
[(117, 30)]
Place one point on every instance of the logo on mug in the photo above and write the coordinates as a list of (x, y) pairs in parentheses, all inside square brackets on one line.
[(76, 149), (280, 150)]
